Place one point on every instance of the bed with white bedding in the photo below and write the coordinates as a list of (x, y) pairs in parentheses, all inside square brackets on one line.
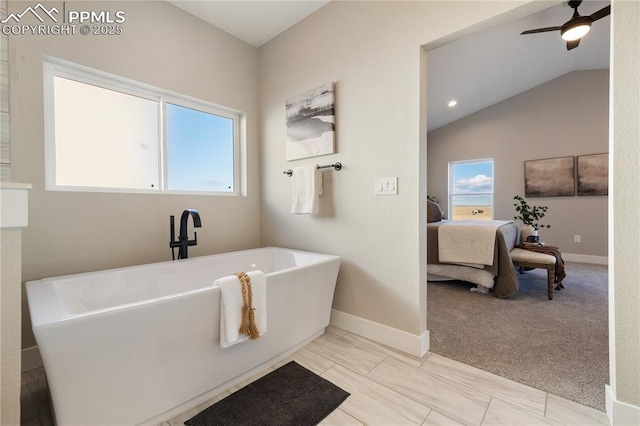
[(476, 251)]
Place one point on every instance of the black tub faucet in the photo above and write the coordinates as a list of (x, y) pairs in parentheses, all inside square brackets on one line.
[(183, 240)]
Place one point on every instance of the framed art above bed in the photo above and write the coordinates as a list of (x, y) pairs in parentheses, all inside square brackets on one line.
[(552, 177), (593, 174)]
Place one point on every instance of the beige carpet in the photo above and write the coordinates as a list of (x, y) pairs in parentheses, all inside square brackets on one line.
[(559, 346)]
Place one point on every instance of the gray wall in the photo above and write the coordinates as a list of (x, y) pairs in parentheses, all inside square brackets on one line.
[(5, 142), (624, 204), (567, 116), (164, 46), (372, 51)]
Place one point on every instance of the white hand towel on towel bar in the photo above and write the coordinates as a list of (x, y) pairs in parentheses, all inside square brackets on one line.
[(307, 186), (231, 306)]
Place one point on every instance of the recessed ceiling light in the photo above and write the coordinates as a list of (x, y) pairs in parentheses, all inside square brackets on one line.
[(452, 103)]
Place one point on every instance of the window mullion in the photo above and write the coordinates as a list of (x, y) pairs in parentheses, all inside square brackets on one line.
[(162, 131)]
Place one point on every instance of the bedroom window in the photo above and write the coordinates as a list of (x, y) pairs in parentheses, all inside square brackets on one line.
[(108, 134), (471, 189)]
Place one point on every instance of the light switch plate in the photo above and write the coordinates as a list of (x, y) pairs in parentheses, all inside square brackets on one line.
[(386, 186)]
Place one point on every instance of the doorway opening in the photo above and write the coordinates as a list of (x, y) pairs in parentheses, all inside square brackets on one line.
[(520, 98)]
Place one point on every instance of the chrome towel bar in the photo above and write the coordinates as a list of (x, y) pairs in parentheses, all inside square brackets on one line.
[(336, 166)]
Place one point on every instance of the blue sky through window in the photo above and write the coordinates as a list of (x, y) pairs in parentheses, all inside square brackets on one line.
[(199, 150), (471, 178)]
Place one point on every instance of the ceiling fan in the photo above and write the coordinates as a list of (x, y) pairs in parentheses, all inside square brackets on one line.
[(575, 28)]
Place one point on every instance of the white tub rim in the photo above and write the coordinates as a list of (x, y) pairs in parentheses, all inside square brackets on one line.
[(187, 293)]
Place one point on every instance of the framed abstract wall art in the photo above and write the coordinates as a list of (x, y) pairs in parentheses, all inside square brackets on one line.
[(593, 174), (552, 177), (311, 124)]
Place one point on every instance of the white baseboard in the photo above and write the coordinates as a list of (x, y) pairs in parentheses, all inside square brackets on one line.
[(398, 339), (31, 359), (621, 413), (585, 258)]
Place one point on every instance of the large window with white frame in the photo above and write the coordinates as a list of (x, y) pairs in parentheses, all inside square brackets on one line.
[(471, 189), (106, 133)]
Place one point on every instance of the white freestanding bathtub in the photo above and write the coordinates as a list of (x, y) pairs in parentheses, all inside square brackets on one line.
[(125, 346)]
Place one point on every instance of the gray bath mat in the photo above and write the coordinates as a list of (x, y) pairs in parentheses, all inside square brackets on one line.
[(290, 395)]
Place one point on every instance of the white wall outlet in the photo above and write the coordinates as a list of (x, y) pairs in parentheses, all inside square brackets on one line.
[(386, 186), (577, 239)]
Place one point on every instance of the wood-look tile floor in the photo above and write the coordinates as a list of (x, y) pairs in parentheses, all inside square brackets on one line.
[(392, 388)]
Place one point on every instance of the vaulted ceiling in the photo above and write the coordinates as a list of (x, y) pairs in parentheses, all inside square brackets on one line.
[(476, 71), (255, 22), (496, 64)]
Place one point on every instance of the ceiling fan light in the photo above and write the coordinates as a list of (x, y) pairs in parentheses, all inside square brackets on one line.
[(576, 31)]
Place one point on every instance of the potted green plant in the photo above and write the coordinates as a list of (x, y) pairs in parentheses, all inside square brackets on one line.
[(529, 216)]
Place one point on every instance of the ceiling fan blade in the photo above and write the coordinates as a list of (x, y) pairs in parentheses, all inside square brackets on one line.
[(573, 44), (541, 30), (605, 11)]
